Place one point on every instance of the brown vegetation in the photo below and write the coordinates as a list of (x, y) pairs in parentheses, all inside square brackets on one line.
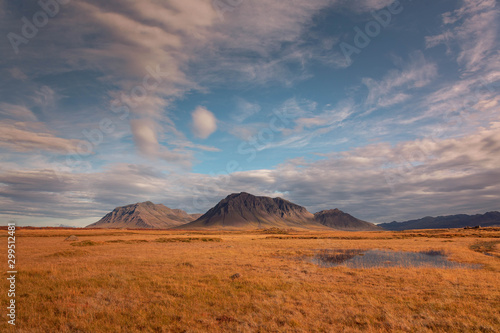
[(129, 282)]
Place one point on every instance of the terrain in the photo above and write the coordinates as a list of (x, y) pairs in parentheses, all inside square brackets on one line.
[(260, 281), (238, 211), (490, 219), (145, 215)]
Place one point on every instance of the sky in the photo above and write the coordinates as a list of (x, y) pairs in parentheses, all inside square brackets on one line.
[(387, 110)]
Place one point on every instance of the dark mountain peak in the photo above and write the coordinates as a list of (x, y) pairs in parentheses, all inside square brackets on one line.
[(245, 210), (137, 204), (250, 200), (335, 211), (244, 194), (145, 203), (240, 196)]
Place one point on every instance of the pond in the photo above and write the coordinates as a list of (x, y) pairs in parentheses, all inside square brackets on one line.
[(385, 258)]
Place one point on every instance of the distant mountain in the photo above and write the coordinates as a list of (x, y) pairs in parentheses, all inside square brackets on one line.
[(145, 215), (489, 219), (246, 211), (337, 219)]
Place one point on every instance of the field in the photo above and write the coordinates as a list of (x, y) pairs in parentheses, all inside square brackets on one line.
[(172, 281)]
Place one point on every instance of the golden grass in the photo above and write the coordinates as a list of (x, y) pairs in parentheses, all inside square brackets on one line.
[(128, 281)]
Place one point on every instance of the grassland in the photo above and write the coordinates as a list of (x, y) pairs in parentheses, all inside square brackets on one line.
[(177, 281)]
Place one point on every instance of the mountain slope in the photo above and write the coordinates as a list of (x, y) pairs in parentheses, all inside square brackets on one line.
[(246, 211), (146, 215), (451, 221), (337, 219)]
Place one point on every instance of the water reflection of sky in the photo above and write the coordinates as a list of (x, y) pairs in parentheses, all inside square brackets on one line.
[(387, 258)]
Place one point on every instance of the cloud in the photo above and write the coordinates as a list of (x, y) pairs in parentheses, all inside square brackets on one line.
[(126, 42), (16, 72), (362, 6), (16, 112), (145, 136), (393, 100), (18, 137), (383, 183), (331, 117), (146, 140), (377, 182), (203, 123), (394, 87), (296, 123), (243, 132), (474, 32), (244, 110)]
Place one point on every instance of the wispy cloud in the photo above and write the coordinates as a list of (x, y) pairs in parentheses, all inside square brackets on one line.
[(441, 176), (22, 137), (244, 109), (395, 87), (145, 136), (473, 28), (16, 112)]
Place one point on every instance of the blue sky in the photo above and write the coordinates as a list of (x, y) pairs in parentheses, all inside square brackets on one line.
[(388, 110)]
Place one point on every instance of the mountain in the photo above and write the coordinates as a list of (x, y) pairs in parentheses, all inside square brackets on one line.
[(246, 211), (337, 219), (144, 215), (489, 219), (236, 211)]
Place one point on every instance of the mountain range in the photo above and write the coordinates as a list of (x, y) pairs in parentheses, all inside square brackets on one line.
[(236, 211), (244, 211), (489, 219)]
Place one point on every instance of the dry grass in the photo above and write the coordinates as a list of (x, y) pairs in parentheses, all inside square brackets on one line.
[(128, 281)]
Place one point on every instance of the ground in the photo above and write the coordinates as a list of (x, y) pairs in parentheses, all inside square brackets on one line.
[(261, 281)]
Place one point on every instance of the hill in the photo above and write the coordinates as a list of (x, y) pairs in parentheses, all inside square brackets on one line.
[(489, 219), (246, 211), (145, 215), (337, 219)]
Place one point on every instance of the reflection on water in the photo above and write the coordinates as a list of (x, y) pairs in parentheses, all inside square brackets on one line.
[(385, 258)]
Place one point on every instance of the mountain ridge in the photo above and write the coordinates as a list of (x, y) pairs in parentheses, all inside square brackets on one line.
[(236, 211), (488, 219), (144, 215)]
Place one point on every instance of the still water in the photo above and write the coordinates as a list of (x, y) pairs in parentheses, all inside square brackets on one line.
[(385, 258)]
